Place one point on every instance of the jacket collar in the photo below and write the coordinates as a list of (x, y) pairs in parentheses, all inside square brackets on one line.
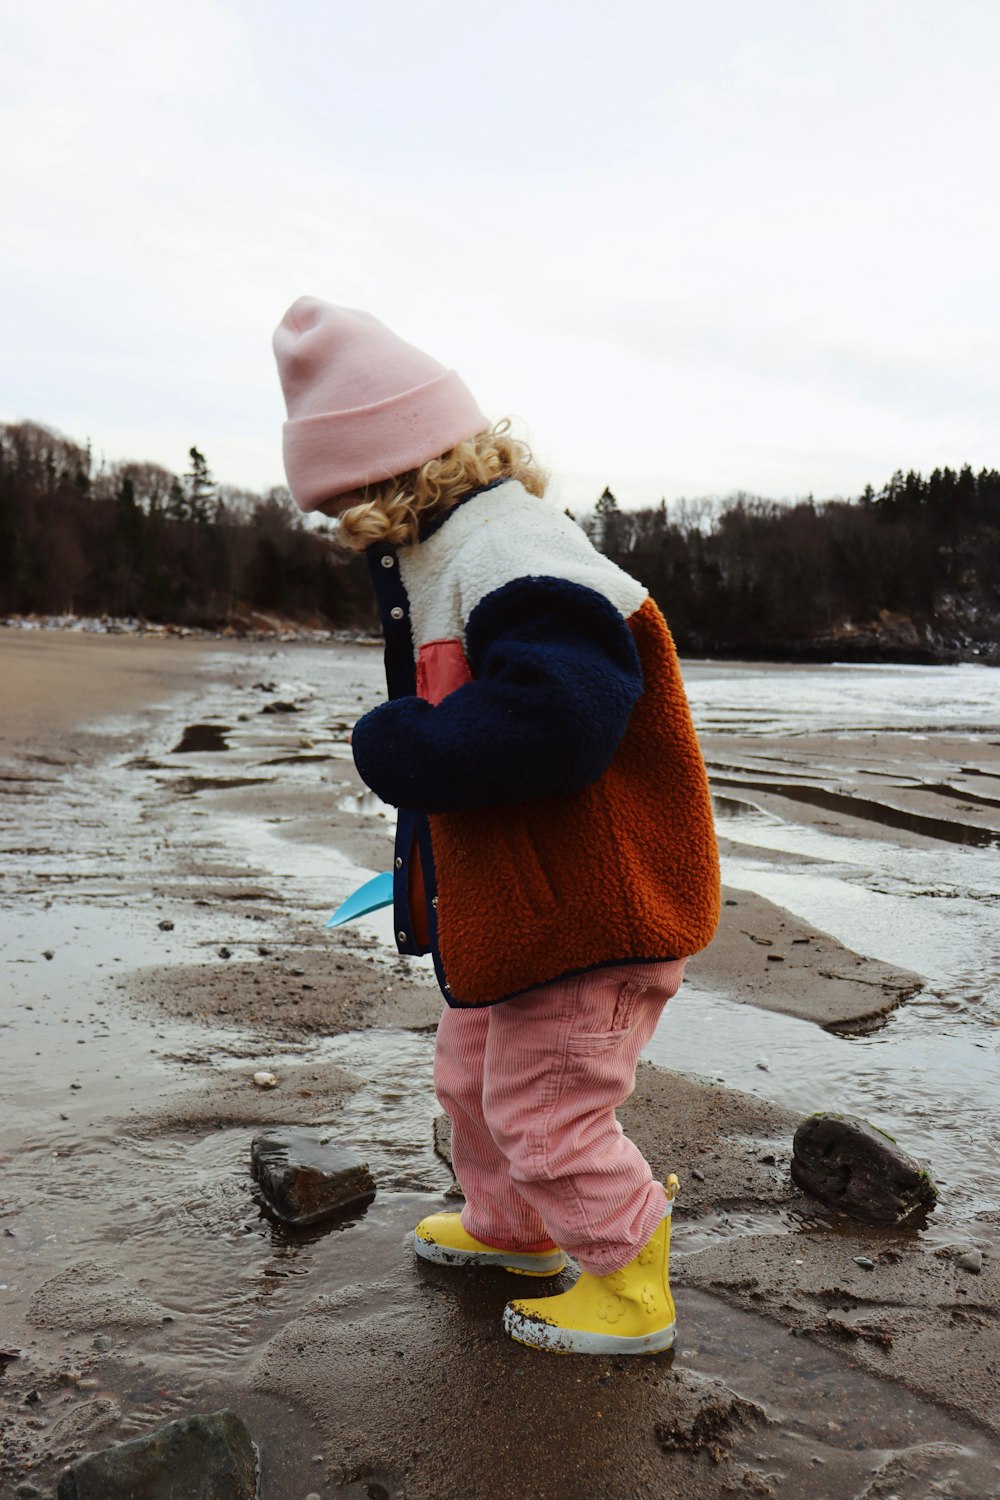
[(435, 523)]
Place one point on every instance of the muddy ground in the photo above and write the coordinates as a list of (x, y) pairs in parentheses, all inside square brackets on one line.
[(178, 818)]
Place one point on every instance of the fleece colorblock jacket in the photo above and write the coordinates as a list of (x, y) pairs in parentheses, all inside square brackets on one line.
[(554, 811)]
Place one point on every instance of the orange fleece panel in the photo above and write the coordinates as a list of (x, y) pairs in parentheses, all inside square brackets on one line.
[(626, 869)]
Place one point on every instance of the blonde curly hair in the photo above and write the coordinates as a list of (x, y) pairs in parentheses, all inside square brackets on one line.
[(392, 510)]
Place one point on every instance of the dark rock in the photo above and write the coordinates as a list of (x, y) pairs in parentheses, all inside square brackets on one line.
[(305, 1181), (166, 925), (442, 1149), (207, 1457), (280, 707), (859, 1170)]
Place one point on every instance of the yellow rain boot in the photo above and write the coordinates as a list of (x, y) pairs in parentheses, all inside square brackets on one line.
[(442, 1239), (629, 1312)]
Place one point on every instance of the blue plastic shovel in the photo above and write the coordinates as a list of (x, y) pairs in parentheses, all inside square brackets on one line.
[(368, 897)]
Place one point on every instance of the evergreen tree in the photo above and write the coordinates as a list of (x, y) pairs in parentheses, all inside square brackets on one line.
[(607, 523), (201, 488)]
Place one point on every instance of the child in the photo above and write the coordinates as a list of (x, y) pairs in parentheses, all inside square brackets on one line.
[(555, 850)]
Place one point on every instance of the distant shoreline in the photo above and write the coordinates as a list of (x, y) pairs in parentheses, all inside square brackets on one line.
[(845, 651)]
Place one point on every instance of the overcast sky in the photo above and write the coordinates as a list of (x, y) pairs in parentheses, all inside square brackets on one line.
[(693, 248)]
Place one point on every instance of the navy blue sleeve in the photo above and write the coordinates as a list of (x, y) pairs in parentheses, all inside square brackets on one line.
[(555, 678)]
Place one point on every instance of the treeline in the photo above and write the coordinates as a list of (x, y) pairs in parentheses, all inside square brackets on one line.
[(910, 572), (135, 540)]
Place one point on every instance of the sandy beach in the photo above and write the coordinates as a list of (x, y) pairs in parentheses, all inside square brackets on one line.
[(179, 817)]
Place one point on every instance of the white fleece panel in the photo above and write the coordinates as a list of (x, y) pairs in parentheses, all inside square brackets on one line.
[(499, 536)]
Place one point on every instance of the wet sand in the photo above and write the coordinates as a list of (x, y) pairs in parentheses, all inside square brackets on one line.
[(180, 894), (57, 681)]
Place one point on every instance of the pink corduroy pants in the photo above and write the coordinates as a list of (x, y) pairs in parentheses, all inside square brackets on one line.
[(531, 1086)]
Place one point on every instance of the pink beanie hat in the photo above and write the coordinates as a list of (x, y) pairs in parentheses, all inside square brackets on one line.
[(362, 404)]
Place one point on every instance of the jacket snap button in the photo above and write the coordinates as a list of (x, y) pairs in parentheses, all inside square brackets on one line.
[(401, 936), (399, 862), (396, 613), (388, 562), (434, 902)]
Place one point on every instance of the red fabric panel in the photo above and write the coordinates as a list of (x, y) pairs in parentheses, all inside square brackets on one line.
[(441, 668)]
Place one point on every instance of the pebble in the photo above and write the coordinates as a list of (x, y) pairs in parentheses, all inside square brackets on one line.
[(48, 953), (265, 1080), (224, 953), (763, 1066), (864, 1262), (166, 925), (102, 1342), (698, 1176), (87, 1384), (971, 1260)]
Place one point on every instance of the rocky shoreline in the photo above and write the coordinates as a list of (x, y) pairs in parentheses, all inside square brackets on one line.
[(892, 638)]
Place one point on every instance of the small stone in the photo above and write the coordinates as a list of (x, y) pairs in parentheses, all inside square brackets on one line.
[(197, 1456), (698, 1176), (264, 950), (305, 1180), (224, 953), (970, 1260), (48, 953), (763, 1066), (27, 1490), (864, 1262), (776, 958), (32, 1398), (265, 1080), (166, 925), (102, 1342), (298, 973), (856, 1169), (88, 1383)]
